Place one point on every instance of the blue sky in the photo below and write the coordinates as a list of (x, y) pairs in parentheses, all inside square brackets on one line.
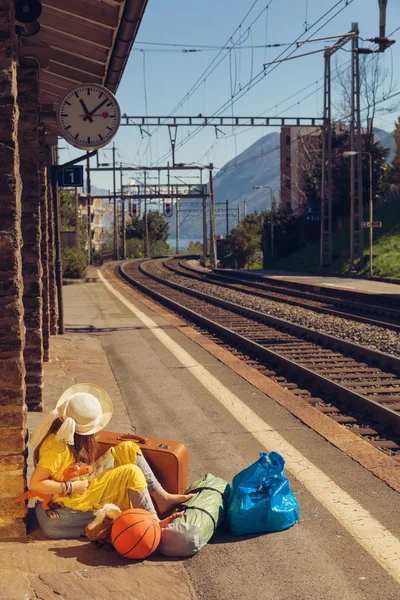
[(156, 82)]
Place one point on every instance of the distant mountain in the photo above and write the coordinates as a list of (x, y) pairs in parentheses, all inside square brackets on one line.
[(386, 140), (259, 164)]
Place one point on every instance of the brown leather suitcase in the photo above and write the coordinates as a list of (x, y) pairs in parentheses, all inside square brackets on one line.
[(168, 459)]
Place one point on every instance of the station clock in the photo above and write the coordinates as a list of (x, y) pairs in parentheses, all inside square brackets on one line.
[(88, 116)]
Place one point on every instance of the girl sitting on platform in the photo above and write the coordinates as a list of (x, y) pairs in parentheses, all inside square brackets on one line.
[(68, 435)]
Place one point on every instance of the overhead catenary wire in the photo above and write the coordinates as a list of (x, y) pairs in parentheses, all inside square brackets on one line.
[(213, 65), (265, 71)]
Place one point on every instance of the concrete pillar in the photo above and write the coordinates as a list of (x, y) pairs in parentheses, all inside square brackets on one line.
[(28, 135), (12, 370), (52, 252), (44, 221)]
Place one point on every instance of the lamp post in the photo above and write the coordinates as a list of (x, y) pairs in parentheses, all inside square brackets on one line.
[(259, 187), (371, 210)]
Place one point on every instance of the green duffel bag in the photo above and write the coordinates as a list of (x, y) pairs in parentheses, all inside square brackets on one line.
[(203, 513)]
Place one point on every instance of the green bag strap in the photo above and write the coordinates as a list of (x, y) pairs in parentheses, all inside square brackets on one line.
[(210, 489), (184, 507)]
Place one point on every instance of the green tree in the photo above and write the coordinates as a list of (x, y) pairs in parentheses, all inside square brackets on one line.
[(67, 210), (242, 247), (157, 227), (195, 248), (68, 217)]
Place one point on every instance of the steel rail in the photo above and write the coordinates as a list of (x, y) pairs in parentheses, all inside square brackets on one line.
[(235, 283), (381, 413)]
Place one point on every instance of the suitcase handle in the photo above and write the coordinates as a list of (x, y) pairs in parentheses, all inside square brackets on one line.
[(125, 437)]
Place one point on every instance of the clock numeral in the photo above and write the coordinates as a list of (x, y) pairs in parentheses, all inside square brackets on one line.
[(108, 127), (101, 94), (88, 91), (88, 139), (109, 104), (69, 103), (100, 136), (77, 135), (64, 115), (76, 94), (69, 127)]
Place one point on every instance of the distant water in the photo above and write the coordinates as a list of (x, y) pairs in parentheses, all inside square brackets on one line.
[(183, 242)]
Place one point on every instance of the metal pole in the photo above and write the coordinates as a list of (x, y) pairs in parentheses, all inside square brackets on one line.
[(204, 254), (115, 208), (371, 216), (123, 217), (352, 149), (89, 210), (272, 226), (177, 227), (360, 199), (244, 208), (146, 230), (238, 209), (58, 263), (77, 217), (326, 184), (213, 251), (227, 217)]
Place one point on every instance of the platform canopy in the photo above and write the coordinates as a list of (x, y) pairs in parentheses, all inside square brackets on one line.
[(81, 41)]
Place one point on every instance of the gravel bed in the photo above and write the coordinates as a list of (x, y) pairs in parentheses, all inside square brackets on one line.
[(370, 336)]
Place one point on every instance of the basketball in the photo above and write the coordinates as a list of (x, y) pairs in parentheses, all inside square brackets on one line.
[(136, 533)]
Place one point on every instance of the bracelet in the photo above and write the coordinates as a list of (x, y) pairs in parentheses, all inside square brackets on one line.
[(72, 488), (62, 488)]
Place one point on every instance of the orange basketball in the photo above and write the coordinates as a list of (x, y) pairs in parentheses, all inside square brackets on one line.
[(136, 533)]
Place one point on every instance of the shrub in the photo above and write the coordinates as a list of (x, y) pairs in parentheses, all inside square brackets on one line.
[(97, 259), (74, 263)]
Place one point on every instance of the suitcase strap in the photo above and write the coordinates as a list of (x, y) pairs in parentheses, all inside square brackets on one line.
[(184, 507)]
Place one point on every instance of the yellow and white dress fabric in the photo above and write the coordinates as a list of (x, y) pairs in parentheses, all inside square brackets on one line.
[(109, 487)]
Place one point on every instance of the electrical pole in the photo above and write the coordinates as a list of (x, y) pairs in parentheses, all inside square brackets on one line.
[(77, 217), (205, 241), (244, 208), (123, 256), (213, 251), (238, 209), (89, 210), (146, 227), (177, 227), (227, 217), (116, 253)]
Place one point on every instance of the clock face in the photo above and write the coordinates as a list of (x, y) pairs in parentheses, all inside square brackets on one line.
[(88, 116)]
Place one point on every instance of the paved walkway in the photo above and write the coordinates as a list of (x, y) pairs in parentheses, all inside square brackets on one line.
[(70, 569), (365, 286)]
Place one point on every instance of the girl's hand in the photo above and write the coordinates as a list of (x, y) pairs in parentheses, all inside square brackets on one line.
[(80, 486)]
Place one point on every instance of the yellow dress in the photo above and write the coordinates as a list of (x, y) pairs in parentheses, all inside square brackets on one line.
[(111, 486)]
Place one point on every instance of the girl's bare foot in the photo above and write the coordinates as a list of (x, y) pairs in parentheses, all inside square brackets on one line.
[(167, 502)]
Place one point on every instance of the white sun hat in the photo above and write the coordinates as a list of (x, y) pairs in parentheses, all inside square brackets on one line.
[(84, 408)]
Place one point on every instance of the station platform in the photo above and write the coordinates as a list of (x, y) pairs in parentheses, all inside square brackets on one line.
[(168, 381), (350, 285)]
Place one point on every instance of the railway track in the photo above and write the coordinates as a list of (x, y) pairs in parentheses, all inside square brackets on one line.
[(356, 386), (389, 318)]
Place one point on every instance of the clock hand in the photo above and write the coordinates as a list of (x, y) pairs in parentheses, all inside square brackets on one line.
[(87, 113), (105, 115)]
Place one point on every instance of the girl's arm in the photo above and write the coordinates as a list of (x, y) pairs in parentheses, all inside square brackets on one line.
[(41, 483)]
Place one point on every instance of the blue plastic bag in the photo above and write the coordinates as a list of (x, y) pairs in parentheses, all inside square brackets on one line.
[(261, 499)]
